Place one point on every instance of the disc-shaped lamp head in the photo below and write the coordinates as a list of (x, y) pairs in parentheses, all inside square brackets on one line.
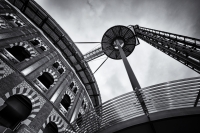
[(118, 35)]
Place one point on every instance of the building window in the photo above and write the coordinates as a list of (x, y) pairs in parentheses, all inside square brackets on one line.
[(19, 53), (43, 48), (66, 101), (71, 85), (61, 70), (46, 79), (59, 67), (16, 109), (56, 65), (51, 127), (37, 42), (12, 20), (75, 90)]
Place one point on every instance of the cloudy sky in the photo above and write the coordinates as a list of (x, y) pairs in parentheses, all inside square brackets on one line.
[(87, 20)]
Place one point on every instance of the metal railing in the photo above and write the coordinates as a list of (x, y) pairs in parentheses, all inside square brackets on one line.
[(161, 97), (171, 95)]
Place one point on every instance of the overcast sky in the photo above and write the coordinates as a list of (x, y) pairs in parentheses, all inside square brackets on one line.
[(87, 20)]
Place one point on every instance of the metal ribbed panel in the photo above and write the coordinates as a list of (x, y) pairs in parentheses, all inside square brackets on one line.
[(112, 112), (169, 96), (161, 97)]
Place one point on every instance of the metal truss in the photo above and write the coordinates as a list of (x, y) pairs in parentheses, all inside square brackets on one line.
[(93, 54), (182, 48)]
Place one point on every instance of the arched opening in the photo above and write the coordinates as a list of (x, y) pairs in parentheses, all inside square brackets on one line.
[(46, 79), (19, 52), (56, 64), (35, 42), (18, 24), (43, 48), (71, 85), (75, 90), (51, 127), (61, 70), (79, 120), (84, 106), (14, 110), (8, 17), (66, 101)]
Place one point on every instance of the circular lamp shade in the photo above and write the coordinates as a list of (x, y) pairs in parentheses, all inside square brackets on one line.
[(118, 35)]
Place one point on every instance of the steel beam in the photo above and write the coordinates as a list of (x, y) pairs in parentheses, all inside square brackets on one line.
[(184, 49)]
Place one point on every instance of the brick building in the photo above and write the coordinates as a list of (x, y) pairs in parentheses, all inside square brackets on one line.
[(44, 84)]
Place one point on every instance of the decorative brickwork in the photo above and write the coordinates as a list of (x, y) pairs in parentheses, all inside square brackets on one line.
[(15, 19), (52, 73), (28, 47), (5, 70), (71, 95), (56, 118), (37, 101), (41, 44)]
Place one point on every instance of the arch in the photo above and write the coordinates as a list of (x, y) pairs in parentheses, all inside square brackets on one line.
[(46, 79), (26, 45), (15, 109), (19, 52), (61, 70), (72, 85), (19, 23), (43, 46), (56, 64), (38, 42), (33, 98), (51, 127), (35, 42), (53, 74), (66, 102), (57, 120), (75, 90), (13, 19), (8, 16), (69, 93)]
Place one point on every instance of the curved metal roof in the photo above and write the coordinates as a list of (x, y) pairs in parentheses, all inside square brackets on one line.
[(63, 42)]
